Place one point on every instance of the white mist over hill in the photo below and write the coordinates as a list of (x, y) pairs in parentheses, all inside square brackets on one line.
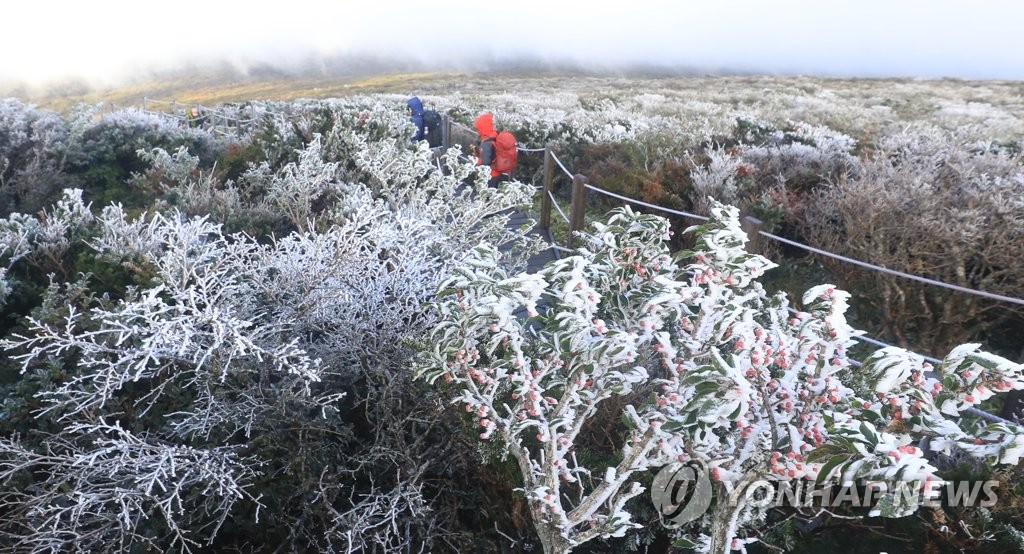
[(116, 39)]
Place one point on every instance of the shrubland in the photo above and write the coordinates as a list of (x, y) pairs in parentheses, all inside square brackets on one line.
[(233, 386), (209, 340)]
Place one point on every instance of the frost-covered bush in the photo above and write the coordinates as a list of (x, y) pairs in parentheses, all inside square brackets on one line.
[(100, 482), (717, 179), (190, 361), (801, 157), (44, 241), (701, 364), (928, 203), (308, 149), (347, 230), (33, 148), (5, 287), (105, 155), (252, 350), (120, 134)]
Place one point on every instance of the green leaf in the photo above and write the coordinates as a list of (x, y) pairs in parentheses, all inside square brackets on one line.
[(683, 542), (870, 416), (831, 464), (823, 452), (673, 426), (628, 422), (704, 388), (869, 434), (987, 364), (446, 292), (736, 413), (691, 418)]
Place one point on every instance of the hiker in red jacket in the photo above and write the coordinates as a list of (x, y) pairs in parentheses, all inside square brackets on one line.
[(497, 150)]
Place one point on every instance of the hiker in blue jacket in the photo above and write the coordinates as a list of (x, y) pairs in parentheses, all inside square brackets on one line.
[(416, 114)]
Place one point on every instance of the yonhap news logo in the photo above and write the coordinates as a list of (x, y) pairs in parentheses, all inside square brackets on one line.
[(683, 493)]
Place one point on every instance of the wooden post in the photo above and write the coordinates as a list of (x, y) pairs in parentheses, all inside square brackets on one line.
[(549, 177), (446, 132), (579, 207), (174, 108), (752, 227), (145, 106)]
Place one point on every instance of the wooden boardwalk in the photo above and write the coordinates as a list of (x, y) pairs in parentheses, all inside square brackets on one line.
[(538, 260), (519, 218)]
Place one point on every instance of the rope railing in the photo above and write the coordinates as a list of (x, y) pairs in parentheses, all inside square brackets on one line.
[(569, 174), (864, 338), (876, 342), (642, 203), (559, 162), (840, 257), (894, 272), (554, 203), (220, 121), (974, 411), (990, 417)]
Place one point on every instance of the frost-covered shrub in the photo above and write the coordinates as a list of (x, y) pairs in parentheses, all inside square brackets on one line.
[(929, 204), (296, 179), (381, 226), (246, 347), (119, 135), (106, 154), (178, 167), (717, 179), (296, 186), (704, 366), (285, 128), (33, 147), (240, 206), (101, 482), (5, 287), (799, 158), (45, 240)]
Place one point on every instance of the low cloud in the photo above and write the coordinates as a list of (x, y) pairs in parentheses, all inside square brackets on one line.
[(48, 40)]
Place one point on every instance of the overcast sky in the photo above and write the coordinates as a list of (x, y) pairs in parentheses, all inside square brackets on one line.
[(103, 39)]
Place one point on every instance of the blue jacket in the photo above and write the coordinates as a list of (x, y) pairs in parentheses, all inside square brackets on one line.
[(417, 117)]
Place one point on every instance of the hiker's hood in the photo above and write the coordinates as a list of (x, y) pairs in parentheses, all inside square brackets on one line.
[(485, 126), (416, 105)]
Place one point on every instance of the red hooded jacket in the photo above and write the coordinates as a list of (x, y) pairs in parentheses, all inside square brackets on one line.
[(485, 126)]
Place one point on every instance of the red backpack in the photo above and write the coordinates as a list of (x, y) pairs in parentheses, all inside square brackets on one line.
[(504, 153)]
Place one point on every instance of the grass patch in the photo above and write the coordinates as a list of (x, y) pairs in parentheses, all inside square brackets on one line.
[(215, 90)]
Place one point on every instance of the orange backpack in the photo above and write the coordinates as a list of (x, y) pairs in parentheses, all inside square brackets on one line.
[(504, 153)]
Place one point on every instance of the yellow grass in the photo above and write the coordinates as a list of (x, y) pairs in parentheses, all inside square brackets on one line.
[(212, 91)]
